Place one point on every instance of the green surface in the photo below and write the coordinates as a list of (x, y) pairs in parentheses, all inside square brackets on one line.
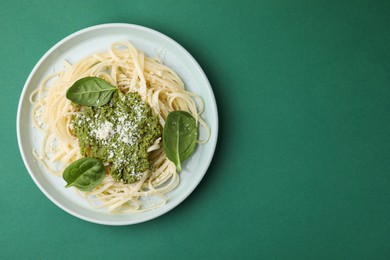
[(302, 167)]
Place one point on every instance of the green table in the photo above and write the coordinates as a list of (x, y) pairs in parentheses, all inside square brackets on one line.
[(302, 167)]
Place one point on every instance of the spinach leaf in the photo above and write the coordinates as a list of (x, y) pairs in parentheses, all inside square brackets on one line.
[(179, 137), (90, 91), (84, 174)]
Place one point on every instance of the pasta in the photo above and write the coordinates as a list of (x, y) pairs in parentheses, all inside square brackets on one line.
[(131, 71)]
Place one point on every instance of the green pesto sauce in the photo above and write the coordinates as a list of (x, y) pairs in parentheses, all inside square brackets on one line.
[(119, 133)]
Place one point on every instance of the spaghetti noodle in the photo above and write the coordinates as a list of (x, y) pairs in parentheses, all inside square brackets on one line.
[(131, 71)]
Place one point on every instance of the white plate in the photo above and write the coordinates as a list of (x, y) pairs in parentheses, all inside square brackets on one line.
[(97, 39)]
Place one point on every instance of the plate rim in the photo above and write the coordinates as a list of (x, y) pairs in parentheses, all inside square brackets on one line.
[(168, 207)]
